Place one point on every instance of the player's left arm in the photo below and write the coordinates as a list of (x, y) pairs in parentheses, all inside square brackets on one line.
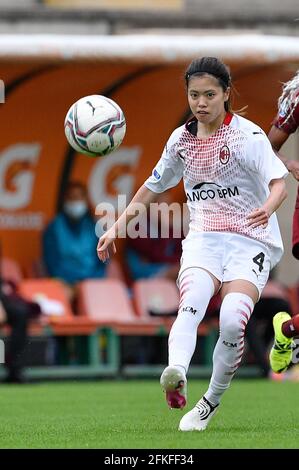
[(261, 215)]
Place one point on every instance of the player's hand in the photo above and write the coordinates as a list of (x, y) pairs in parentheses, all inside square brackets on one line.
[(293, 167), (106, 246), (258, 217)]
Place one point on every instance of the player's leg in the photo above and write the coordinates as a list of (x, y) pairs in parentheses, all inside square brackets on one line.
[(246, 266), (197, 286), (239, 298), (258, 339), (285, 328), (237, 305)]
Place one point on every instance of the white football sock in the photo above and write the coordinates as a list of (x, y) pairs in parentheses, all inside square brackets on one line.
[(235, 312), (196, 290)]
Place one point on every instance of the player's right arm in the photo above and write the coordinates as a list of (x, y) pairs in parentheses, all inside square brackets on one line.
[(277, 138), (106, 245)]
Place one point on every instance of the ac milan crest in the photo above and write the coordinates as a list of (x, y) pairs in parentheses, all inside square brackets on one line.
[(224, 155)]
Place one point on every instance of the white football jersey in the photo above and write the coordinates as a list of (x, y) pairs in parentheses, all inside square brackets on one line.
[(226, 176)]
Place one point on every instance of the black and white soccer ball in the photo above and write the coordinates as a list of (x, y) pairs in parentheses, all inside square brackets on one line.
[(95, 125)]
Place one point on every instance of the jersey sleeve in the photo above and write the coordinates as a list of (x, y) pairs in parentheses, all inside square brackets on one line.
[(168, 171), (287, 118), (261, 158)]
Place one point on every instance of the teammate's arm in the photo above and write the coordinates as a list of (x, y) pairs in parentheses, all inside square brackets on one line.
[(118, 229), (261, 215), (277, 138)]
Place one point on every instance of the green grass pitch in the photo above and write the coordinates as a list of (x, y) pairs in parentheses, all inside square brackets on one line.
[(254, 414)]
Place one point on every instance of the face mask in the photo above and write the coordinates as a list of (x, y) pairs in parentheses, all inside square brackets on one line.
[(75, 209)]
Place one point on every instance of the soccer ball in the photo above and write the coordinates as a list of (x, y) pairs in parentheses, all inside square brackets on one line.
[(95, 125)]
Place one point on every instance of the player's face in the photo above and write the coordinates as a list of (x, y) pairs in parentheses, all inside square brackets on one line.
[(206, 98)]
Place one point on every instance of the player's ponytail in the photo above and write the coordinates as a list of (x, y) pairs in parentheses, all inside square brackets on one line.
[(288, 98)]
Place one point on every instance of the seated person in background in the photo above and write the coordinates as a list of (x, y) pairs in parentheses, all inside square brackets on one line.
[(155, 256), (16, 312), (69, 241)]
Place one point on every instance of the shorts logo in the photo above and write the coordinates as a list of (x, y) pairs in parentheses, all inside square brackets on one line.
[(254, 271), (224, 155)]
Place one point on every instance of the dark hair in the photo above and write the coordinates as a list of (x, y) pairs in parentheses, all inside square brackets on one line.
[(210, 66), (75, 185)]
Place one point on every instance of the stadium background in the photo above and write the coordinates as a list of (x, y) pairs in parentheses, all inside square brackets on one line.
[(36, 160), (44, 75)]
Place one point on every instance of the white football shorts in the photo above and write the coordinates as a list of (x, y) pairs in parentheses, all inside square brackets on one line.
[(228, 256)]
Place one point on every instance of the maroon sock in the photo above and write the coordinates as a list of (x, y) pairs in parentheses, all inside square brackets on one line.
[(290, 328)]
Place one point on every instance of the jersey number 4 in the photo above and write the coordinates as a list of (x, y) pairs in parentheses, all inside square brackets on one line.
[(259, 260)]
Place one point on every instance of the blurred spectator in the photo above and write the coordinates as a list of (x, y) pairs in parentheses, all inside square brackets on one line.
[(69, 241), (155, 256), (259, 330)]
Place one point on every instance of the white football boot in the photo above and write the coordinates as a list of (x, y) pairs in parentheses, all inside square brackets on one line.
[(174, 384), (199, 417)]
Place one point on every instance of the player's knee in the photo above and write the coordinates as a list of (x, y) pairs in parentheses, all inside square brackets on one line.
[(230, 330), (234, 314), (229, 323)]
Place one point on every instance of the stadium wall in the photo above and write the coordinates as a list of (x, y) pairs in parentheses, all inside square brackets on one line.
[(43, 76)]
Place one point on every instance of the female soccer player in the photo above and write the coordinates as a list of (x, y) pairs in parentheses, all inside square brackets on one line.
[(285, 123), (234, 183)]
